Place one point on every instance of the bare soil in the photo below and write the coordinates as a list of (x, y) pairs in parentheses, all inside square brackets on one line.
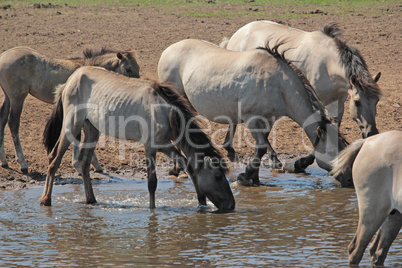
[(63, 31)]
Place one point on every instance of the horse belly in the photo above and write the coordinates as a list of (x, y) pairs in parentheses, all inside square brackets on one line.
[(118, 123)]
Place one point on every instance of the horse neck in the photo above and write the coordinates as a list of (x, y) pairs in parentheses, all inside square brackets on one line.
[(69, 65), (195, 159), (300, 109)]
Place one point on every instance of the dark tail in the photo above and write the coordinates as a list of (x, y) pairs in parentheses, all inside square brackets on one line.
[(53, 126), (185, 129)]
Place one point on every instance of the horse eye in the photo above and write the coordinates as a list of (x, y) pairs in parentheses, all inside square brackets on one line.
[(128, 70)]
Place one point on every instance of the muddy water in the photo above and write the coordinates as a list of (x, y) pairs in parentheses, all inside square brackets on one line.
[(290, 221)]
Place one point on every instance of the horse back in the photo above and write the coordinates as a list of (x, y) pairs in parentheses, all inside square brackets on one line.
[(23, 70), (117, 105), (217, 80), (315, 53)]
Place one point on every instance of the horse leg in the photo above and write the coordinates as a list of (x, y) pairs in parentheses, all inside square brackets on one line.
[(369, 221), (300, 164), (76, 151), (173, 153), (85, 157), (250, 177), (14, 124), (386, 235), (150, 155), (94, 160), (228, 143), (276, 164), (55, 158), (95, 163), (4, 113)]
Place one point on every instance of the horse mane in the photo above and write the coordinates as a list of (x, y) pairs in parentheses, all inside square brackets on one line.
[(191, 124), (353, 62), (312, 93), (91, 53)]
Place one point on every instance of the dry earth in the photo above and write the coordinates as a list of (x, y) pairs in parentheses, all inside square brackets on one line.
[(64, 31)]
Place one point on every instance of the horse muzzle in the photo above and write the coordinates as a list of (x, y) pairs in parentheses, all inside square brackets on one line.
[(368, 132)]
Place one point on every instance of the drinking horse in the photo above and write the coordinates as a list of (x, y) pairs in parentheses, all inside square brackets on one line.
[(98, 101), (256, 87), (25, 71), (376, 164), (333, 67)]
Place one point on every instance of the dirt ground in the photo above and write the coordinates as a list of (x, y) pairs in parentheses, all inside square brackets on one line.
[(63, 31)]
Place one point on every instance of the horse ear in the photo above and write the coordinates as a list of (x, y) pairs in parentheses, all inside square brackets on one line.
[(353, 80), (377, 77), (119, 55)]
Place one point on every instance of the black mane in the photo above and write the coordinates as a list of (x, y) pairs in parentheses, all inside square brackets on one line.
[(353, 62), (90, 53), (315, 101), (199, 137)]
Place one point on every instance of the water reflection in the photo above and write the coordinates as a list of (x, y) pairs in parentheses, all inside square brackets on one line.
[(290, 221)]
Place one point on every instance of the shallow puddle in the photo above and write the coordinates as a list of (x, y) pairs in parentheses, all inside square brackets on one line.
[(291, 221)]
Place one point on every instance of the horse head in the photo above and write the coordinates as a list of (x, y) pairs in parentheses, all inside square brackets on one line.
[(128, 65), (329, 143), (212, 182), (364, 98)]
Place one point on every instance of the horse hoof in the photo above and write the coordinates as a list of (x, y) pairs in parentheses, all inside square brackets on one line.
[(243, 180), (99, 170), (91, 201), (24, 170), (291, 168), (46, 202), (173, 172)]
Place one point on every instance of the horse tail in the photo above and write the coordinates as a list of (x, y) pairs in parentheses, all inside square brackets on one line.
[(186, 131), (54, 123), (346, 158), (224, 43)]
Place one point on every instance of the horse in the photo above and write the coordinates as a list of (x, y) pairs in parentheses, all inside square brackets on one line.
[(376, 164), (99, 101), (333, 67), (256, 87), (25, 71)]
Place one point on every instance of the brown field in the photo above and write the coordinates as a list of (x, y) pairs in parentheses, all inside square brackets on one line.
[(64, 31)]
